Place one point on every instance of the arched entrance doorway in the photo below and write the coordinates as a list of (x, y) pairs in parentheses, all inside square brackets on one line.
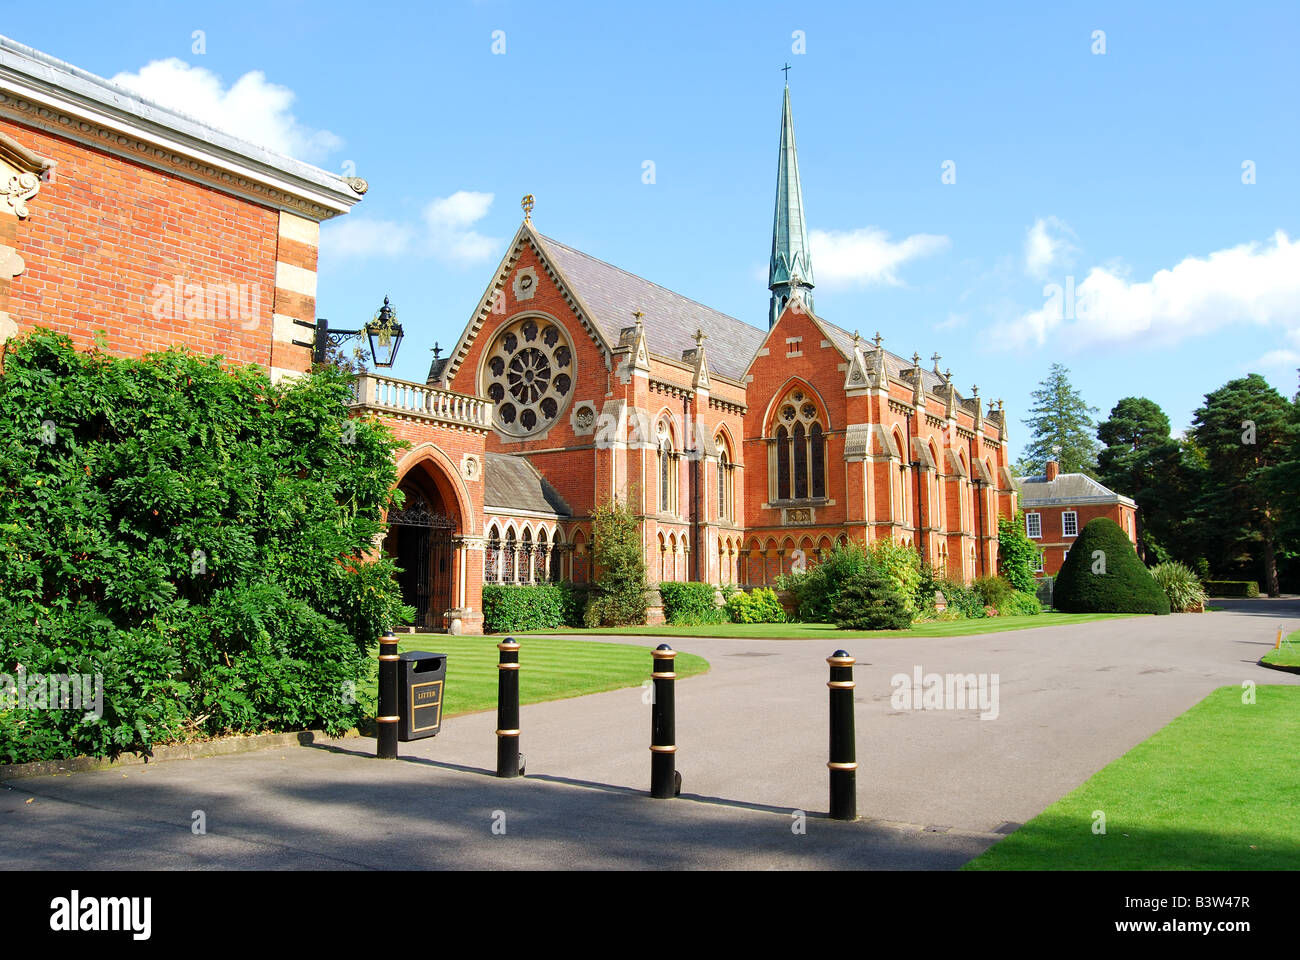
[(421, 539)]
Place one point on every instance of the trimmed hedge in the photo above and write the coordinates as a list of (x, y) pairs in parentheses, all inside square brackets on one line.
[(1231, 588), (760, 605), (690, 603), (541, 606), (1102, 574)]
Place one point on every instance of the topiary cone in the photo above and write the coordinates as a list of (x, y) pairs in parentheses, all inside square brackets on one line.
[(1103, 574)]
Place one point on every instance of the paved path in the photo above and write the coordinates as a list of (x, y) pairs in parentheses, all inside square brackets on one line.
[(752, 737), (754, 729)]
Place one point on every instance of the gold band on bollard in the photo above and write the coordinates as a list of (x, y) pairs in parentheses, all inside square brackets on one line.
[(387, 719), (842, 766), (663, 654), (658, 749), (664, 676), (507, 733), (841, 661), (841, 684), (508, 645), (507, 666), (389, 656)]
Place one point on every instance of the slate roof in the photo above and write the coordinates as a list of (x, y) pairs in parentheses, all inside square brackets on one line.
[(670, 320), (512, 483), (1066, 488)]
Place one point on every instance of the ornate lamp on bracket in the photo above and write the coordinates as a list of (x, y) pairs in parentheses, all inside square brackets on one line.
[(383, 332)]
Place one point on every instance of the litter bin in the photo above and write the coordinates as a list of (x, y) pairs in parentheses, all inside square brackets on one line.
[(421, 677)]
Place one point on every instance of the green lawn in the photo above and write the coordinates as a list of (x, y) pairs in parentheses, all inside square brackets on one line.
[(1214, 790), (550, 668), (1287, 655), (813, 631)]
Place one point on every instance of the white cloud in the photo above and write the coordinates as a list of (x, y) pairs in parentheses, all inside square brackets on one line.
[(867, 256), (445, 231), (450, 221), (1278, 359), (1255, 283), (354, 237), (1047, 244), (253, 108)]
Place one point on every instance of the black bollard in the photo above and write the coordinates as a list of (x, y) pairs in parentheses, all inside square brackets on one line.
[(386, 744), (508, 709), (665, 782), (843, 764)]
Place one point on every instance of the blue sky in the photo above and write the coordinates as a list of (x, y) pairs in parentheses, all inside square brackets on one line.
[(1118, 174)]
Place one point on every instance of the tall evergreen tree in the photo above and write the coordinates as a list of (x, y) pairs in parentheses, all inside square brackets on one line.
[(1247, 430), (1141, 460), (1061, 419)]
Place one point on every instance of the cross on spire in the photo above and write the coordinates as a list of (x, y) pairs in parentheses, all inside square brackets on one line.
[(786, 70), (936, 358)]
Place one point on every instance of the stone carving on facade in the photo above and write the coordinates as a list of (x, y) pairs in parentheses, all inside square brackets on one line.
[(525, 283)]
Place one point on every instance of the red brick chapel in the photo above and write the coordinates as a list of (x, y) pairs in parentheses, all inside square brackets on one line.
[(744, 449)]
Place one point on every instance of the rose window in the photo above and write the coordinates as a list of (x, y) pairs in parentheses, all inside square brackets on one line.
[(528, 375)]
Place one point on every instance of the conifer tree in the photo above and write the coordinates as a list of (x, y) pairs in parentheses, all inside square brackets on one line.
[(1060, 419), (1247, 431)]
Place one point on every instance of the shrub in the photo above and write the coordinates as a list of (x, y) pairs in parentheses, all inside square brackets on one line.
[(1231, 588), (870, 601), (902, 566), (616, 595), (1180, 585), (193, 534), (963, 599), (1019, 604), (508, 608), (1017, 554), (760, 605), (815, 590), (1112, 581), (690, 603), (994, 591)]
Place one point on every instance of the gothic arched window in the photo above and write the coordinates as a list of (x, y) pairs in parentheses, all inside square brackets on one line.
[(798, 463), (492, 556), (667, 472), (726, 482)]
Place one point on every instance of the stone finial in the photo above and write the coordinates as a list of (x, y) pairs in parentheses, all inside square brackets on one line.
[(916, 360), (527, 203), (878, 338), (700, 337), (936, 358)]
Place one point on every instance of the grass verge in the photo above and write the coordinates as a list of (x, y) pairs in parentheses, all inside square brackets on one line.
[(1213, 790), (1287, 655), (551, 668), (812, 631)]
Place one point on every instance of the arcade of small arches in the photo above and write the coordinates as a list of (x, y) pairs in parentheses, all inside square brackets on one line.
[(523, 553)]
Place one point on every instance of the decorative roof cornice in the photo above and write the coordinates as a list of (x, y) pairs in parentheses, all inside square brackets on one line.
[(44, 92)]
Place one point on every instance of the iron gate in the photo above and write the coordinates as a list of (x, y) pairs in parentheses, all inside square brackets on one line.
[(424, 555)]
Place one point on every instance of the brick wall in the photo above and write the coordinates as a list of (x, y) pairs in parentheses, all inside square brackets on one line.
[(106, 240)]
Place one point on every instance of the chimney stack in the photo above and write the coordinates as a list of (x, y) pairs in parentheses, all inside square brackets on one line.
[(1053, 468)]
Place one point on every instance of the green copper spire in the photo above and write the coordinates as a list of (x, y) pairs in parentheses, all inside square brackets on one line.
[(791, 266)]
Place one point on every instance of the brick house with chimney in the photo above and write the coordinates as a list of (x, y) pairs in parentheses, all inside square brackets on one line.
[(1058, 505)]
